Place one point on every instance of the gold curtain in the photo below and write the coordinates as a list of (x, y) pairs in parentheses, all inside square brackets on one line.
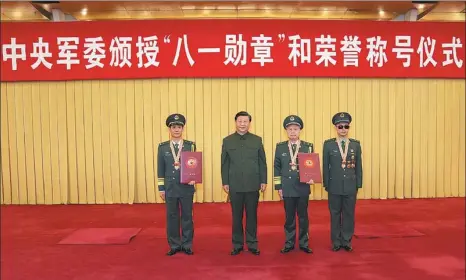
[(86, 142)]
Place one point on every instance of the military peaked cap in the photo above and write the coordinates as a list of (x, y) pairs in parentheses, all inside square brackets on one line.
[(176, 119), (341, 117), (293, 119)]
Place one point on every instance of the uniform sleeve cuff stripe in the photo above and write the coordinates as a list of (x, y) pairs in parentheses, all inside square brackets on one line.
[(277, 180)]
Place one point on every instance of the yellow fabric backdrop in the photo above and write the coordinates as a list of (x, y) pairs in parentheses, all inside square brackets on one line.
[(92, 142)]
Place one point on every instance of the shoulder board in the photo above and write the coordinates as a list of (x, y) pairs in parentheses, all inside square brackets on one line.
[(306, 143), (164, 143), (330, 140), (188, 142), (282, 143), (354, 140)]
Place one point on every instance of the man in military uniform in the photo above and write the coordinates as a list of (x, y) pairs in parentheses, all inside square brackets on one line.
[(342, 178), (244, 173), (295, 194), (176, 195)]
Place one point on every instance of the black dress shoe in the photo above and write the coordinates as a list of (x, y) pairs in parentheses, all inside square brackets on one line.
[(336, 248), (236, 251), (188, 251), (286, 250), (348, 248), (254, 251), (172, 252), (306, 250)]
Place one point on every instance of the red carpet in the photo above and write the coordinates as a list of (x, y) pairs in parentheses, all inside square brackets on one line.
[(383, 231), (30, 234), (100, 236)]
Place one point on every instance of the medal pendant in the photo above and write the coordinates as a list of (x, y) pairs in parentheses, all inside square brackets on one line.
[(293, 167), (343, 165), (353, 165), (177, 165)]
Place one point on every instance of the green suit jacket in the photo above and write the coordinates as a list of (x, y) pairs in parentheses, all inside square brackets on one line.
[(339, 180), (168, 177), (285, 178), (243, 162)]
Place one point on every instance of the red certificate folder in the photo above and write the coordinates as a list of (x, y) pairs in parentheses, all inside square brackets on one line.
[(191, 167), (309, 167)]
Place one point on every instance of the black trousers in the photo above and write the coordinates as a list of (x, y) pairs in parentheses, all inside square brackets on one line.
[(342, 208), (180, 213), (240, 202), (299, 206)]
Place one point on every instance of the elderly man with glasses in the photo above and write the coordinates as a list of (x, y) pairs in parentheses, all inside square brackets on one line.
[(342, 178)]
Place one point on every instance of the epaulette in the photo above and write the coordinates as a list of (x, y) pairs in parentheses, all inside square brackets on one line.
[(187, 141), (282, 143), (305, 143), (354, 140), (164, 143), (330, 140)]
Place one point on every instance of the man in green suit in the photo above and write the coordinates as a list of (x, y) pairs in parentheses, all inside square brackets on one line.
[(244, 173), (342, 178), (295, 194), (178, 197)]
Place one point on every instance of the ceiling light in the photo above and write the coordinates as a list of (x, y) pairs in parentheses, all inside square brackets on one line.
[(207, 10), (246, 7), (226, 7), (381, 13), (188, 7), (17, 14), (84, 11)]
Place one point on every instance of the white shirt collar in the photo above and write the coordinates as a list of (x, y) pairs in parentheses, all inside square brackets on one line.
[(343, 139)]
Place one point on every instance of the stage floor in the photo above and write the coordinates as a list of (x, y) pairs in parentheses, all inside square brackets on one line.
[(30, 249)]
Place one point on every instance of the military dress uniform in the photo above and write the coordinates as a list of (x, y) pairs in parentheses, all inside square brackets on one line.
[(244, 169), (177, 196), (342, 178), (295, 193)]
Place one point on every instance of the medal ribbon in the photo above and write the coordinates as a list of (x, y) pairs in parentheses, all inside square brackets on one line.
[(343, 154), (176, 157), (295, 154)]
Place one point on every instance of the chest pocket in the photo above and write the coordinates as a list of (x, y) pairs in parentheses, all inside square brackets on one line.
[(251, 152), (335, 153)]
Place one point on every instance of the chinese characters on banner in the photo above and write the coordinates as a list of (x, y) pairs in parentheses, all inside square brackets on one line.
[(230, 48)]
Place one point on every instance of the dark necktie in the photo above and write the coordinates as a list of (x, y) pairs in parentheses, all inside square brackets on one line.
[(293, 146), (176, 148), (343, 144)]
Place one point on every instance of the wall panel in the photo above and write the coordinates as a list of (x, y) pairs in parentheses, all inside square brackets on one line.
[(93, 142)]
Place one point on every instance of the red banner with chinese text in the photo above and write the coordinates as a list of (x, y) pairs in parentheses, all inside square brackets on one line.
[(81, 50)]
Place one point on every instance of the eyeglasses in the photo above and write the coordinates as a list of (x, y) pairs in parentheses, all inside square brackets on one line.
[(343, 126)]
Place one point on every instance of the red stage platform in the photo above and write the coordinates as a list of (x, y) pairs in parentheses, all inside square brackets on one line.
[(397, 239)]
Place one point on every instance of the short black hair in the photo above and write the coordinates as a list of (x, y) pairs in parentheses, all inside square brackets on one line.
[(243, 114)]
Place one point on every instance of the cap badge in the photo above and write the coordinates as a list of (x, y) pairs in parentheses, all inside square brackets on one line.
[(291, 118), (176, 117)]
